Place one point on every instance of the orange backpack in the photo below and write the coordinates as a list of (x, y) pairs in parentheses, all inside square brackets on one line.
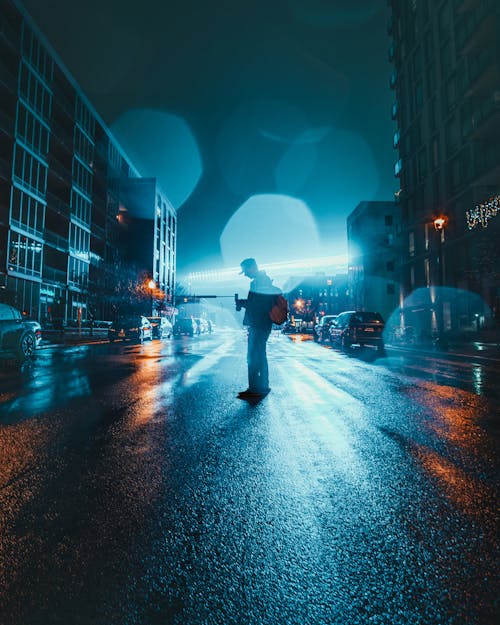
[(279, 309)]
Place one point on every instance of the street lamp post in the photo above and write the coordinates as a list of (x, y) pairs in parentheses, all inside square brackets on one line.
[(151, 286), (439, 226)]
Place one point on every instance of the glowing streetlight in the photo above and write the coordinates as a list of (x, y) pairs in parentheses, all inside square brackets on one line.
[(439, 223), (299, 304)]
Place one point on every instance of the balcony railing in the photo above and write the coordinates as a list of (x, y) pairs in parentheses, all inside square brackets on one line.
[(57, 204), (7, 78), (56, 240), (55, 275), (5, 169), (6, 123), (58, 168), (27, 229)]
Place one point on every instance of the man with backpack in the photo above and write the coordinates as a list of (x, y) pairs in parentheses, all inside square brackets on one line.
[(258, 305)]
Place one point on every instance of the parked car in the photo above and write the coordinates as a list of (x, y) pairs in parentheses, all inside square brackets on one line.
[(201, 325), (357, 327), (185, 325), (162, 328), (322, 328), (136, 328), (17, 336)]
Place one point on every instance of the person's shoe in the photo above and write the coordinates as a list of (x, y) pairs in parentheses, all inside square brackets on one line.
[(265, 391), (249, 393)]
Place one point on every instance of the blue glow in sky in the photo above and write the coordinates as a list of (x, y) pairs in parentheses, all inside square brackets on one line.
[(161, 146), (270, 228)]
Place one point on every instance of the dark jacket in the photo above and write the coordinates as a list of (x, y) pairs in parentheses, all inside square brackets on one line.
[(259, 302)]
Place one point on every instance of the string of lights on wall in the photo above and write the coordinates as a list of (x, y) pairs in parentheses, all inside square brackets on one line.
[(482, 213)]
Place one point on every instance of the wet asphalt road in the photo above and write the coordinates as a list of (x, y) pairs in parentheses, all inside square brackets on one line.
[(135, 488)]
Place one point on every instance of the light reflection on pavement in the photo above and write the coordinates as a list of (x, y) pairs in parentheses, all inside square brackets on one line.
[(137, 489)]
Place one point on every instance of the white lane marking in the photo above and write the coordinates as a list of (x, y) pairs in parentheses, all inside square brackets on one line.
[(192, 375)]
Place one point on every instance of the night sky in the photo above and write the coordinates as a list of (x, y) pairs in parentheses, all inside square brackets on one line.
[(227, 100)]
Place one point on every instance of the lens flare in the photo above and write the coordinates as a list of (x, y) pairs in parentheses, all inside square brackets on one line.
[(161, 146)]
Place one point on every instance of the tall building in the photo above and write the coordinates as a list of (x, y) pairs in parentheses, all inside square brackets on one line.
[(446, 81), (64, 181), (373, 249)]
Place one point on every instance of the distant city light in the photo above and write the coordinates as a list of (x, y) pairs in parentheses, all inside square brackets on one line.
[(336, 264)]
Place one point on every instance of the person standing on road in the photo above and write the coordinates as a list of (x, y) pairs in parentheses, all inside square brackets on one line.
[(257, 307)]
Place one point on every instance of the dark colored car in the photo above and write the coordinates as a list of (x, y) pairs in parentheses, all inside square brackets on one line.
[(322, 328), (162, 328), (136, 328), (17, 337), (185, 325), (356, 327)]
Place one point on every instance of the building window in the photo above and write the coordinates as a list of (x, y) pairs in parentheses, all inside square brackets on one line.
[(34, 93), (446, 60), (411, 244), (25, 254), (450, 95), (427, 272), (419, 95), (422, 165), (84, 147), (389, 265), (452, 135), (31, 130), (78, 272), (27, 213), (29, 170), (37, 55), (82, 177), (444, 21), (80, 208), (79, 242), (388, 220), (85, 118)]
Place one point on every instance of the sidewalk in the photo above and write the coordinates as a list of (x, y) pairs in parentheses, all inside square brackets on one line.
[(471, 350), (73, 337)]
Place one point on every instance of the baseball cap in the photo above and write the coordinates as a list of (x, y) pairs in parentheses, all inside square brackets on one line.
[(247, 263)]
